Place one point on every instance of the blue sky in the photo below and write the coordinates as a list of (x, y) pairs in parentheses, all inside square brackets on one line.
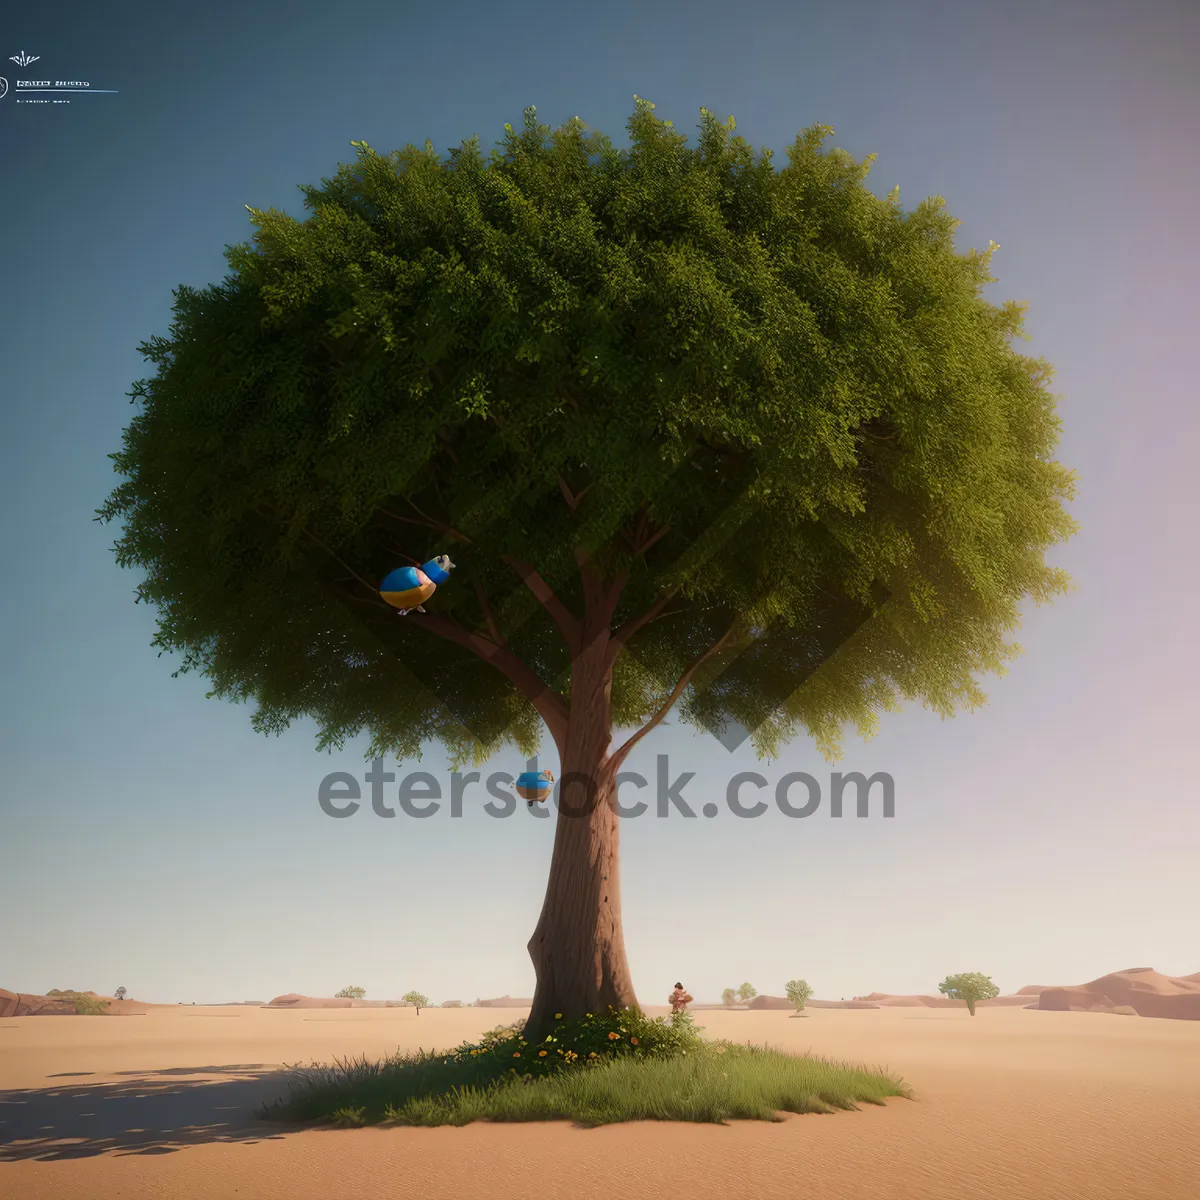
[(151, 839)]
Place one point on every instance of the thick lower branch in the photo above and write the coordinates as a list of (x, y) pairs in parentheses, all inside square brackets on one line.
[(566, 622), (549, 705)]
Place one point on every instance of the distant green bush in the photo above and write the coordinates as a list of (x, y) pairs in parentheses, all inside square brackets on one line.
[(84, 1005), (798, 992), (970, 986), (350, 993)]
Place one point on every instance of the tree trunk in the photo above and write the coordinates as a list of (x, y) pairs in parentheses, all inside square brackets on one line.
[(971, 1007), (578, 948)]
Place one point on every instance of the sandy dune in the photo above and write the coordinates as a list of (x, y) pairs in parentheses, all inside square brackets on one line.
[(1141, 989), (27, 1004), (1011, 1104), (294, 1000)]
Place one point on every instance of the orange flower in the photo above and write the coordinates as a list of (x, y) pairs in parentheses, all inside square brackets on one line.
[(541, 1054), (612, 1037), (634, 1040), (517, 1054)]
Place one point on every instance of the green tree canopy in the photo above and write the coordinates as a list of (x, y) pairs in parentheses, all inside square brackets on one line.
[(971, 986), (350, 993), (697, 431), (798, 992)]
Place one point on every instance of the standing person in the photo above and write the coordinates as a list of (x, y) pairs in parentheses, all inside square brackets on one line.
[(679, 999)]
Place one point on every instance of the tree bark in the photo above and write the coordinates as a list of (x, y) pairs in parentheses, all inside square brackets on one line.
[(578, 947)]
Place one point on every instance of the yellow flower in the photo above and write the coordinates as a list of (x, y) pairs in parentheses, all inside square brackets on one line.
[(558, 1016), (541, 1054)]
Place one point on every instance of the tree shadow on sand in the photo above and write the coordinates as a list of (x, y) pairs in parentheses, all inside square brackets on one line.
[(155, 1112)]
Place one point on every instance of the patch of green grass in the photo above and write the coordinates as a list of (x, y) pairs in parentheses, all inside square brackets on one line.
[(679, 1077), (84, 1005)]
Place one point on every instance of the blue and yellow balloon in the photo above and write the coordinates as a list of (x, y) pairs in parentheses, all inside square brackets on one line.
[(534, 785), (407, 588)]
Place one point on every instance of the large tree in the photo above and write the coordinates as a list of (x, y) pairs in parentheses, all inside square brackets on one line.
[(698, 432)]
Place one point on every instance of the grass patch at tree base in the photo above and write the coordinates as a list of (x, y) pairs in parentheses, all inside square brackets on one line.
[(716, 1083)]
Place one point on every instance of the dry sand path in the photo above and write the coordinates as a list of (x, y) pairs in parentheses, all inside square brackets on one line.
[(1012, 1104)]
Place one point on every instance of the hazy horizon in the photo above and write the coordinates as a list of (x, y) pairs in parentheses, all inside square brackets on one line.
[(152, 840)]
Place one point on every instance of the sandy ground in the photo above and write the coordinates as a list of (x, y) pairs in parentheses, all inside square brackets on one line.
[(1012, 1103)]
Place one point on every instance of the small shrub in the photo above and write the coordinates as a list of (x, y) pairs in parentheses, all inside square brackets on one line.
[(746, 993), (728, 997), (87, 1006), (350, 993), (348, 1118), (592, 1040)]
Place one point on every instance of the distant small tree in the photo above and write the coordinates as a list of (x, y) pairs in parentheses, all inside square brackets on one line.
[(746, 992), (119, 993), (728, 996), (798, 992), (970, 986), (417, 999), (351, 993)]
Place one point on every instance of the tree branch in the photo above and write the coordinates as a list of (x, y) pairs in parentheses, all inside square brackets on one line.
[(332, 554), (549, 705), (426, 523), (572, 498), (617, 758), (654, 537), (566, 622), (622, 635), (488, 615)]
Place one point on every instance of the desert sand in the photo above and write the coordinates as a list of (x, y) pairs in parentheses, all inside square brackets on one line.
[(1012, 1103)]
